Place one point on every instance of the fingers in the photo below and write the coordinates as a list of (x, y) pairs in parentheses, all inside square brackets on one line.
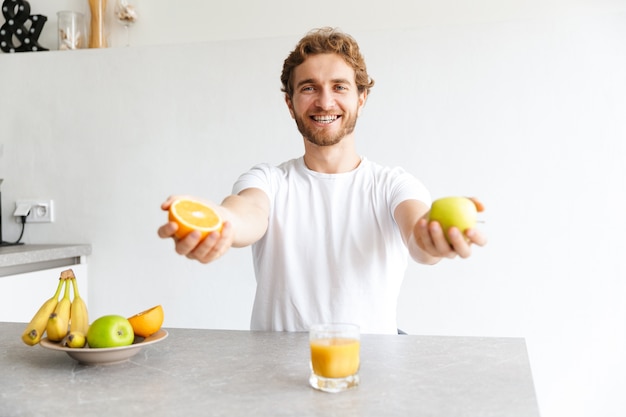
[(480, 207), (462, 243), (476, 237), (167, 230), (430, 237), (208, 249), (439, 242), (167, 203), (188, 244), (459, 243)]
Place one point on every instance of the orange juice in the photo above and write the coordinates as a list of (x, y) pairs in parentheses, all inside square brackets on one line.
[(335, 357)]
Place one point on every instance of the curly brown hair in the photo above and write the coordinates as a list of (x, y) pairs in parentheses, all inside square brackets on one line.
[(323, 41)]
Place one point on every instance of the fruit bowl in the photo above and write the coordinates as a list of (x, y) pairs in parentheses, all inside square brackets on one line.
[(105, 356)]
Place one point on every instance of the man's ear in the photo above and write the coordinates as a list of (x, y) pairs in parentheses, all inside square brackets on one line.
[(290, 106), (362, 101)]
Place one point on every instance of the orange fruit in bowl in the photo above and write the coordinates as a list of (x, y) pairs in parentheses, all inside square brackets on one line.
[(193, 215), (147, 322)]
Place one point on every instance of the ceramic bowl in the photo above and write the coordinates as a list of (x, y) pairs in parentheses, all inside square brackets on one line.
[(105, 356)]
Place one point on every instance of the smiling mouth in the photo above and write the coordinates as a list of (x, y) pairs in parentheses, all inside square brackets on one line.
[(325, 119)]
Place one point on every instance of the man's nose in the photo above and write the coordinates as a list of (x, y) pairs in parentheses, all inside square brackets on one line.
[(325, 99)]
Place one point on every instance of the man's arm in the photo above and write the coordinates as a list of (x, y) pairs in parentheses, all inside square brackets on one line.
[(248, 212)]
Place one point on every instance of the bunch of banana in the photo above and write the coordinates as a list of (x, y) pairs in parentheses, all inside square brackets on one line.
[(37, 326), (55, 317)]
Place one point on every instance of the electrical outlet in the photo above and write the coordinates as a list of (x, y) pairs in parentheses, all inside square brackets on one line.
[(41, 211)]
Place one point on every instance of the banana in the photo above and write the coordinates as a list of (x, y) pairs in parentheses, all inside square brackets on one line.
[(59, 320), (79, 317), (37, 326), (76, 339)]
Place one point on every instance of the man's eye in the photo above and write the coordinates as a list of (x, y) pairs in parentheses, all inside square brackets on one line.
[(308, 88), (341, 88)]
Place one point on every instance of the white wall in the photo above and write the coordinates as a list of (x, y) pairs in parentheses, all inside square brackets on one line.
[(520, 103)]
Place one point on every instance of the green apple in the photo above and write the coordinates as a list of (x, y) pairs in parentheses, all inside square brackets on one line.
[(110, 331), (459, 212)]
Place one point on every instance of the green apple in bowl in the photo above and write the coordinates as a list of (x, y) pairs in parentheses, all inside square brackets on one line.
[(459, 212), (110, 331)]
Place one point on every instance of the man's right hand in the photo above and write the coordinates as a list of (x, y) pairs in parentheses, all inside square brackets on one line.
[(192, 246)]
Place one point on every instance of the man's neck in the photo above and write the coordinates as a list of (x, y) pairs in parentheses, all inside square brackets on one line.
[(334, 159)]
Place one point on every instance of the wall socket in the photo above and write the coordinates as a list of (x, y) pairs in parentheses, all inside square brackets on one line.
[(41, 211)]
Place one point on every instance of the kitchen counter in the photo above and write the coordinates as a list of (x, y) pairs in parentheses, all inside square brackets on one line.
[(243, 373), (26, 258)]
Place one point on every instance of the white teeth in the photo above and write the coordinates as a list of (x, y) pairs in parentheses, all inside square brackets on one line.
[(325, 119)]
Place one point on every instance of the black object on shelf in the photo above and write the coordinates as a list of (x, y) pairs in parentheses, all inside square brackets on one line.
[(21, 30), (2, 242)]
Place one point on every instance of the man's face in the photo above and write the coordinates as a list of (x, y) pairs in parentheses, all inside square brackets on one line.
[(325, 102)]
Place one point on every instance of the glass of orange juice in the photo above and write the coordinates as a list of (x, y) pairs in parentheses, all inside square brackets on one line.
[(335, 358)]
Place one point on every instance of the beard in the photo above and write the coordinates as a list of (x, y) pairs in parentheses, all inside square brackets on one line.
[(319, 136)]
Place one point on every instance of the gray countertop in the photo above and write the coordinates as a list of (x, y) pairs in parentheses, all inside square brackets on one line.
[(242, 373), (25, 258)]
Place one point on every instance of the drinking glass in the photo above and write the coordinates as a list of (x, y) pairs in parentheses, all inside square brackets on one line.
[(125, 13), (335, 358)]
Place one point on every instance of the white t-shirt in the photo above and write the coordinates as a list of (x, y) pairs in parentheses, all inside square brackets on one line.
[(332, 251)]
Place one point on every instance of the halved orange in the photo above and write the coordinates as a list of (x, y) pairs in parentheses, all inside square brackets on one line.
[(147, 322), (193, 215)]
